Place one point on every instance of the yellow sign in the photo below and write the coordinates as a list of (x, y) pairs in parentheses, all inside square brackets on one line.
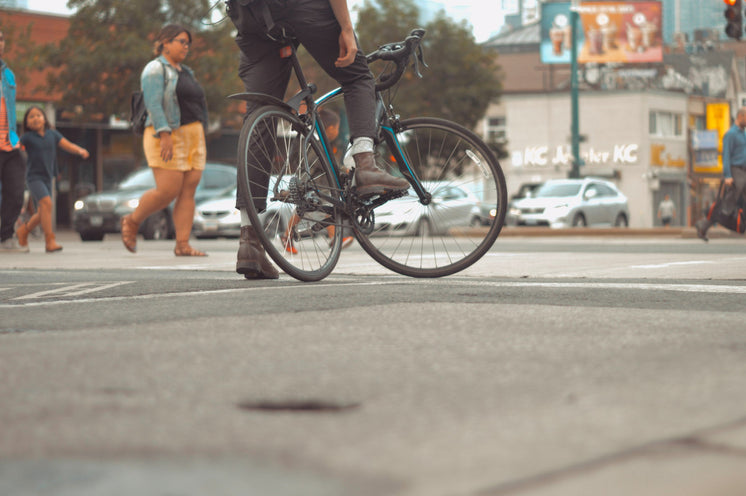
[(659, 157), (718, 119)]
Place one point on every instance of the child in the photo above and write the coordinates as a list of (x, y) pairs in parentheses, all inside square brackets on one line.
[(40, 142)]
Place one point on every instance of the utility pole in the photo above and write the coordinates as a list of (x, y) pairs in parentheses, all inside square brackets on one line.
[(575, 125)]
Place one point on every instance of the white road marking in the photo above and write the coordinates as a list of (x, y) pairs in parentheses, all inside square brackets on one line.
[(73, 290), (672, 264), (686, 288)]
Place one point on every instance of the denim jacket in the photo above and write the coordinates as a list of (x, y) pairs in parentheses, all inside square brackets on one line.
[(160, 94), (9, 93)]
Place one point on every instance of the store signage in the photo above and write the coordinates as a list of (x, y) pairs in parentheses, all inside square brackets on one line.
[(660, 158), (544, 156)]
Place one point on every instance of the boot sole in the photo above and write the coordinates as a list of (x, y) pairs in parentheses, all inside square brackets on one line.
[(252, 270)]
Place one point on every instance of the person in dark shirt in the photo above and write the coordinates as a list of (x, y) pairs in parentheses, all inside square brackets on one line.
[(734, 173), (40, 143)]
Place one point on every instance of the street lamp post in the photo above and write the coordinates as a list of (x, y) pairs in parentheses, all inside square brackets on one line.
[(574, 126)]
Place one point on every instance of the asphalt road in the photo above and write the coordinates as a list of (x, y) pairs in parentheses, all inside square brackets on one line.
[(581, 365)]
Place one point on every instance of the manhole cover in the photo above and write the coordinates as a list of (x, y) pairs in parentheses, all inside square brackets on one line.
[(302, 405)]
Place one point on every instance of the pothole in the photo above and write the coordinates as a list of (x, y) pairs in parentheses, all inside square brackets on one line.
[(298, 405)]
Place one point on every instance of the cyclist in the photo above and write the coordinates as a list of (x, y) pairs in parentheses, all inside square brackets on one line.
[(324, 28)]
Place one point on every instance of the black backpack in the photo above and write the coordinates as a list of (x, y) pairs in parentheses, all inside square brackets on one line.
[(138, 112)]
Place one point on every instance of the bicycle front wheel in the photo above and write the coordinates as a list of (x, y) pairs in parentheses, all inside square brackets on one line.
[(460, 221), (289, 189)]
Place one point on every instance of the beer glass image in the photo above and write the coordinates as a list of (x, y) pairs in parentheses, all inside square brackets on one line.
[(557, 35), (648, 34), (595, 42), (634, 38), (608, 33)]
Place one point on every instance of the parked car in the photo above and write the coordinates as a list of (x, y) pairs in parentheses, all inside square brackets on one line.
[(573, 202), (526, 190), (100, 213), (219, 217), (451, 206)]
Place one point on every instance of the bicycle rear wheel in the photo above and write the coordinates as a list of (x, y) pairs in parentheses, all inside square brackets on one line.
[(289, 188), (465, 214)]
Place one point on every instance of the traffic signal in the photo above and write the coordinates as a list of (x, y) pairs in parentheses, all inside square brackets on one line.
[(734, 25)]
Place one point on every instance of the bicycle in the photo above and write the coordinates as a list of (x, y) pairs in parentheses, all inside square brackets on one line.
[(427, 231)]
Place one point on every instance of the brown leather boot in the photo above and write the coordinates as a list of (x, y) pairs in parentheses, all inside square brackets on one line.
[(369, 179), (251, 260)]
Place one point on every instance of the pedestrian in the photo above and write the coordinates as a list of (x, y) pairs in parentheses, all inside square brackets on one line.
[(734, 174), (173, 140), (40, 142), (324, 28), (666, 211), (12, 167)]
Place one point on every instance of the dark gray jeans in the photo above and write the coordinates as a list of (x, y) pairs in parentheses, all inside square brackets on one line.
[(13, 179), (313, 24)]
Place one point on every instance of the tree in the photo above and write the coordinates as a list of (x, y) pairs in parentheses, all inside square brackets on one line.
[(110, 41), (462, 78)]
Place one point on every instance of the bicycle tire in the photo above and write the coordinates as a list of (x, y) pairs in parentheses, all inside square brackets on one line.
[(465, 180), (270, 145)]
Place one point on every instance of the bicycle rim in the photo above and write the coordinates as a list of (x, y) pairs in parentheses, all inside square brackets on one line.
[(286, 197), (465, 215)]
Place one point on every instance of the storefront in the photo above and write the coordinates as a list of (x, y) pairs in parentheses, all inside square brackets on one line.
[(638, 140)]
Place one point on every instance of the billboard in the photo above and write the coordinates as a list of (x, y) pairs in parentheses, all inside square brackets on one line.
[(622, 32), (556, 33)]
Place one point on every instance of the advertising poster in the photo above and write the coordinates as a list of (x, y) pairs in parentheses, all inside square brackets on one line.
[(622, 32), (718, 120), (556, 33)]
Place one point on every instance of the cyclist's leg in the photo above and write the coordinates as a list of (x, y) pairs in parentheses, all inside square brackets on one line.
[(317, 29), (261, 70)]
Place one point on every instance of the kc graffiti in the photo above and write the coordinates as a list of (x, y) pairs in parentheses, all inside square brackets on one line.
[(543, 156)]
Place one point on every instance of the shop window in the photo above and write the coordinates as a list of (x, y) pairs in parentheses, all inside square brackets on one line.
[(496, 132), (666, 124)]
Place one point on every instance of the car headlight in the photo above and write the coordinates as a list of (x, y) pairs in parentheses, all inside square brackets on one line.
[(493, 212), (79, 205), (513, 211), (133, 203)]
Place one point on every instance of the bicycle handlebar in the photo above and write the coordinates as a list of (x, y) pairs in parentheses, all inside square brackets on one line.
[(399, 53)]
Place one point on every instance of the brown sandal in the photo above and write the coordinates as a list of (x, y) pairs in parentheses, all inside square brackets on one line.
[(129, 233), (183, 249)]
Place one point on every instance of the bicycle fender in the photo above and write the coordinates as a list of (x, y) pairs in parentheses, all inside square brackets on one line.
[(261, 99)]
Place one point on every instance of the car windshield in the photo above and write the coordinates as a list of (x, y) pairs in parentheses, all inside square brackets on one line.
[(550, 190), (142, 179)]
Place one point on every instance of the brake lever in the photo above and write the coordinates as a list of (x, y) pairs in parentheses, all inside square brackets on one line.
[(419, 58)]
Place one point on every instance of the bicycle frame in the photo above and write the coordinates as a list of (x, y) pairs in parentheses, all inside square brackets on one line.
[(387, 125)]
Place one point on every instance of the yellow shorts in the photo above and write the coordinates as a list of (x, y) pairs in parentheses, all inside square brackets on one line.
[(190, 151)]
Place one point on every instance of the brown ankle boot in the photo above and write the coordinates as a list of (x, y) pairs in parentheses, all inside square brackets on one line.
[(251, 261), (51, 243), (369, 179)]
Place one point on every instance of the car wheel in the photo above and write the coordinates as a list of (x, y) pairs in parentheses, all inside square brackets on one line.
[(155, 226), (579, 221), (621, 221), (475, 222), (91, 236)]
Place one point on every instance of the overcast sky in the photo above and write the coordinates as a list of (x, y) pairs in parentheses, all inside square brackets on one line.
[(481, 14)]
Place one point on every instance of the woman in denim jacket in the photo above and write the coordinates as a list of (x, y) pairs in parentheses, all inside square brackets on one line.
[(173, 140)]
